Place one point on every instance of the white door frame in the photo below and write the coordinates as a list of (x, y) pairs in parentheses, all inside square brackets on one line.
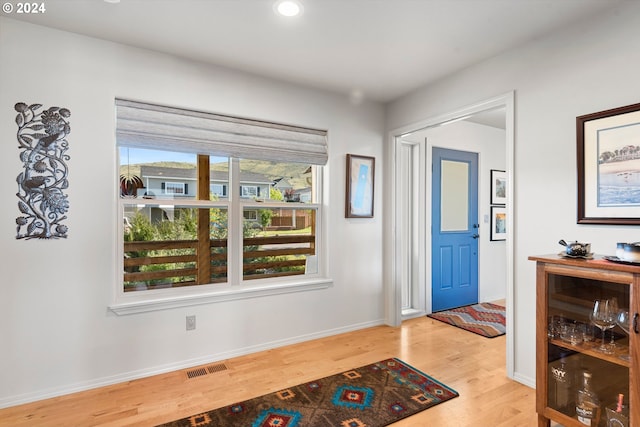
[(393, 212)]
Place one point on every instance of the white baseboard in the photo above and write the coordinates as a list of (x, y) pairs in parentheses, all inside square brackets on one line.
[(493, 298), (184, 364), (412, 314), (523, 379)]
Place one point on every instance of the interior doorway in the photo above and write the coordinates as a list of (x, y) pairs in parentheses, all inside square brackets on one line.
[(410, 268)]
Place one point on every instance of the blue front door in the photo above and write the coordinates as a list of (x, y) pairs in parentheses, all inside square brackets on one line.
[(455, 229)]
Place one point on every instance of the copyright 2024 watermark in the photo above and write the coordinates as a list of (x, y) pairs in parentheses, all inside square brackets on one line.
[(24, 8)]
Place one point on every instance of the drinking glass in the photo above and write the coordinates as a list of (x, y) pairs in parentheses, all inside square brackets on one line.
[(622, 320), (603, 316), (616, 311)]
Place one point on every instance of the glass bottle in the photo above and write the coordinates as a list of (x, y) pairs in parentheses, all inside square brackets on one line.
[(587, 403), (562, 385), (618, 414)]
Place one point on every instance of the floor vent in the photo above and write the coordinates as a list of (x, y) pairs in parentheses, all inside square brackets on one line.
[(211, 369)]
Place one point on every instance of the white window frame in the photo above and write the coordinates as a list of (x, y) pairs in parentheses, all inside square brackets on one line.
[(246, 193), (174, 186), (213, 188), (253, 214), (235, 288)]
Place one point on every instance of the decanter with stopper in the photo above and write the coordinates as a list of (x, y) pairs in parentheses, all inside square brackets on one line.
[(587, 403)]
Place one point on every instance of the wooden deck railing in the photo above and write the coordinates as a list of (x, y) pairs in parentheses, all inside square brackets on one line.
[(173, 263)]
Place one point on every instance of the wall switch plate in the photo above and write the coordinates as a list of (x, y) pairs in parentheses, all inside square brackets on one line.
[(191, 323)]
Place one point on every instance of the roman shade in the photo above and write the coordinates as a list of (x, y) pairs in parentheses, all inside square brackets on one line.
[(156, 127)]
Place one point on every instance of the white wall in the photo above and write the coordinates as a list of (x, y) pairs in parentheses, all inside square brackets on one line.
[(56, 333), (583, 69)]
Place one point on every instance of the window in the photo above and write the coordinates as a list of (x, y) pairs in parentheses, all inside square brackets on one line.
[(186, 238), (174, 188), (250, 215), (219, 190), (249, 191)]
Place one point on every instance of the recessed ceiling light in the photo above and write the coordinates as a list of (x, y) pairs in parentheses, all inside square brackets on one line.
[(288, 8), (112, 1)]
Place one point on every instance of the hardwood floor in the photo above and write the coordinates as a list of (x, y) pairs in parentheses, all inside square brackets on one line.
[(472, 365)]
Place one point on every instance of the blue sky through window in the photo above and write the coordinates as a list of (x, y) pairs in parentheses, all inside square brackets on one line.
[(135, 156)]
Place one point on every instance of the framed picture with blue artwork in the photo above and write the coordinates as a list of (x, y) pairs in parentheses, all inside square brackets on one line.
[(360, 186), (608, 147), (498, 223)]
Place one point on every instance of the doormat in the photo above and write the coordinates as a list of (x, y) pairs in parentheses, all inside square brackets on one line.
[(374, 395), (484, 319)]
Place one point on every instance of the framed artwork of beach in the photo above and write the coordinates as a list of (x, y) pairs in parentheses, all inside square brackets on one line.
[(609, 166), (360, 186)]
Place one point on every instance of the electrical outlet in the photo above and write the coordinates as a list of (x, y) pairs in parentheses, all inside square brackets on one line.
[(191, 323)]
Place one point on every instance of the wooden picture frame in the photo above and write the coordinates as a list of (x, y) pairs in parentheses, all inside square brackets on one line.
[(498, 223), (498, 187), (608, 149), (360, 186)]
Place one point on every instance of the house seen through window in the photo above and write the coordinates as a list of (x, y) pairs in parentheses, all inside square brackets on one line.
[(173, 232)]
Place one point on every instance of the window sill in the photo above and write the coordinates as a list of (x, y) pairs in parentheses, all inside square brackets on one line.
[(146, 303)]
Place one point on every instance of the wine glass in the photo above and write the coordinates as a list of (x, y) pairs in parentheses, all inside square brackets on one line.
[(612, 344), (603, 316), (622, 320)]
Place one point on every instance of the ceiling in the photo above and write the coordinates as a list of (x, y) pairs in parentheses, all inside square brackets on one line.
[(495, 118), (371, 49)]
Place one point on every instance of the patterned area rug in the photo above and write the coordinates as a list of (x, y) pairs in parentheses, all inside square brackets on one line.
[(484, 319), (375, 395)]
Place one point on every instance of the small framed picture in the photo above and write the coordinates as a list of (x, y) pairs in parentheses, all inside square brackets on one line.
[(498, 187), (360, 186), (498, 223)]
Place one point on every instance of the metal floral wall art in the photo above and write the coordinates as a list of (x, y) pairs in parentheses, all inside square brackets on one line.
[(43, 153)]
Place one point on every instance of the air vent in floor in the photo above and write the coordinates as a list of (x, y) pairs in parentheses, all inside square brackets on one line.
[(211, 369)]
